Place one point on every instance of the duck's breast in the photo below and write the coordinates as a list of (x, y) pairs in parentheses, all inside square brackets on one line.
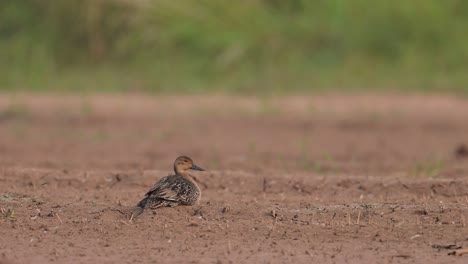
[(193, 192)]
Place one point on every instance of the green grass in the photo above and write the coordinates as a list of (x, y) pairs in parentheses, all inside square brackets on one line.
[(246, 46), (8, 213), (431, 168)]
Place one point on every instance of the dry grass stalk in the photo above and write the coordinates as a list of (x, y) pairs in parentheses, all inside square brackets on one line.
[(459, 252), (58, 217)]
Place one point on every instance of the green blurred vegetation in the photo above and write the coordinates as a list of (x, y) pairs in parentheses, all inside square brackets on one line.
[(248, 46)]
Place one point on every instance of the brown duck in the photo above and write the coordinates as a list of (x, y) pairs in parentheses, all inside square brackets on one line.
[(172, 190)]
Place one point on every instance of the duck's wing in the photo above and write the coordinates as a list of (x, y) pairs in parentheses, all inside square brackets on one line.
[(161, 184), (164, 189)]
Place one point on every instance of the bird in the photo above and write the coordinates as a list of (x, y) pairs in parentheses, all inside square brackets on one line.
[(172, 190)]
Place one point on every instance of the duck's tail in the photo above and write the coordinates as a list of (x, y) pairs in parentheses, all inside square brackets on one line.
[(142, 203), (139, 208)]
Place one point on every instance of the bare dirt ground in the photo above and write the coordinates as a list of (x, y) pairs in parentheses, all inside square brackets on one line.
[(330, 179)]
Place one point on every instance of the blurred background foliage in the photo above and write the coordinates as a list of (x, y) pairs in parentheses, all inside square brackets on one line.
[(246, 46)]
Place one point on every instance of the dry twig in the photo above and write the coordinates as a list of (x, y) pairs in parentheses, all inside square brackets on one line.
[(459, 252)]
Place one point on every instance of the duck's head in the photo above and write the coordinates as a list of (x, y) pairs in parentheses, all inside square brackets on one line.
[(184, 163)]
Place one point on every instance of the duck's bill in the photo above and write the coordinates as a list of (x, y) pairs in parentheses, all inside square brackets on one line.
[(195, 167)]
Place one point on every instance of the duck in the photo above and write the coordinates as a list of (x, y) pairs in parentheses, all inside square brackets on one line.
[(172, 190)]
